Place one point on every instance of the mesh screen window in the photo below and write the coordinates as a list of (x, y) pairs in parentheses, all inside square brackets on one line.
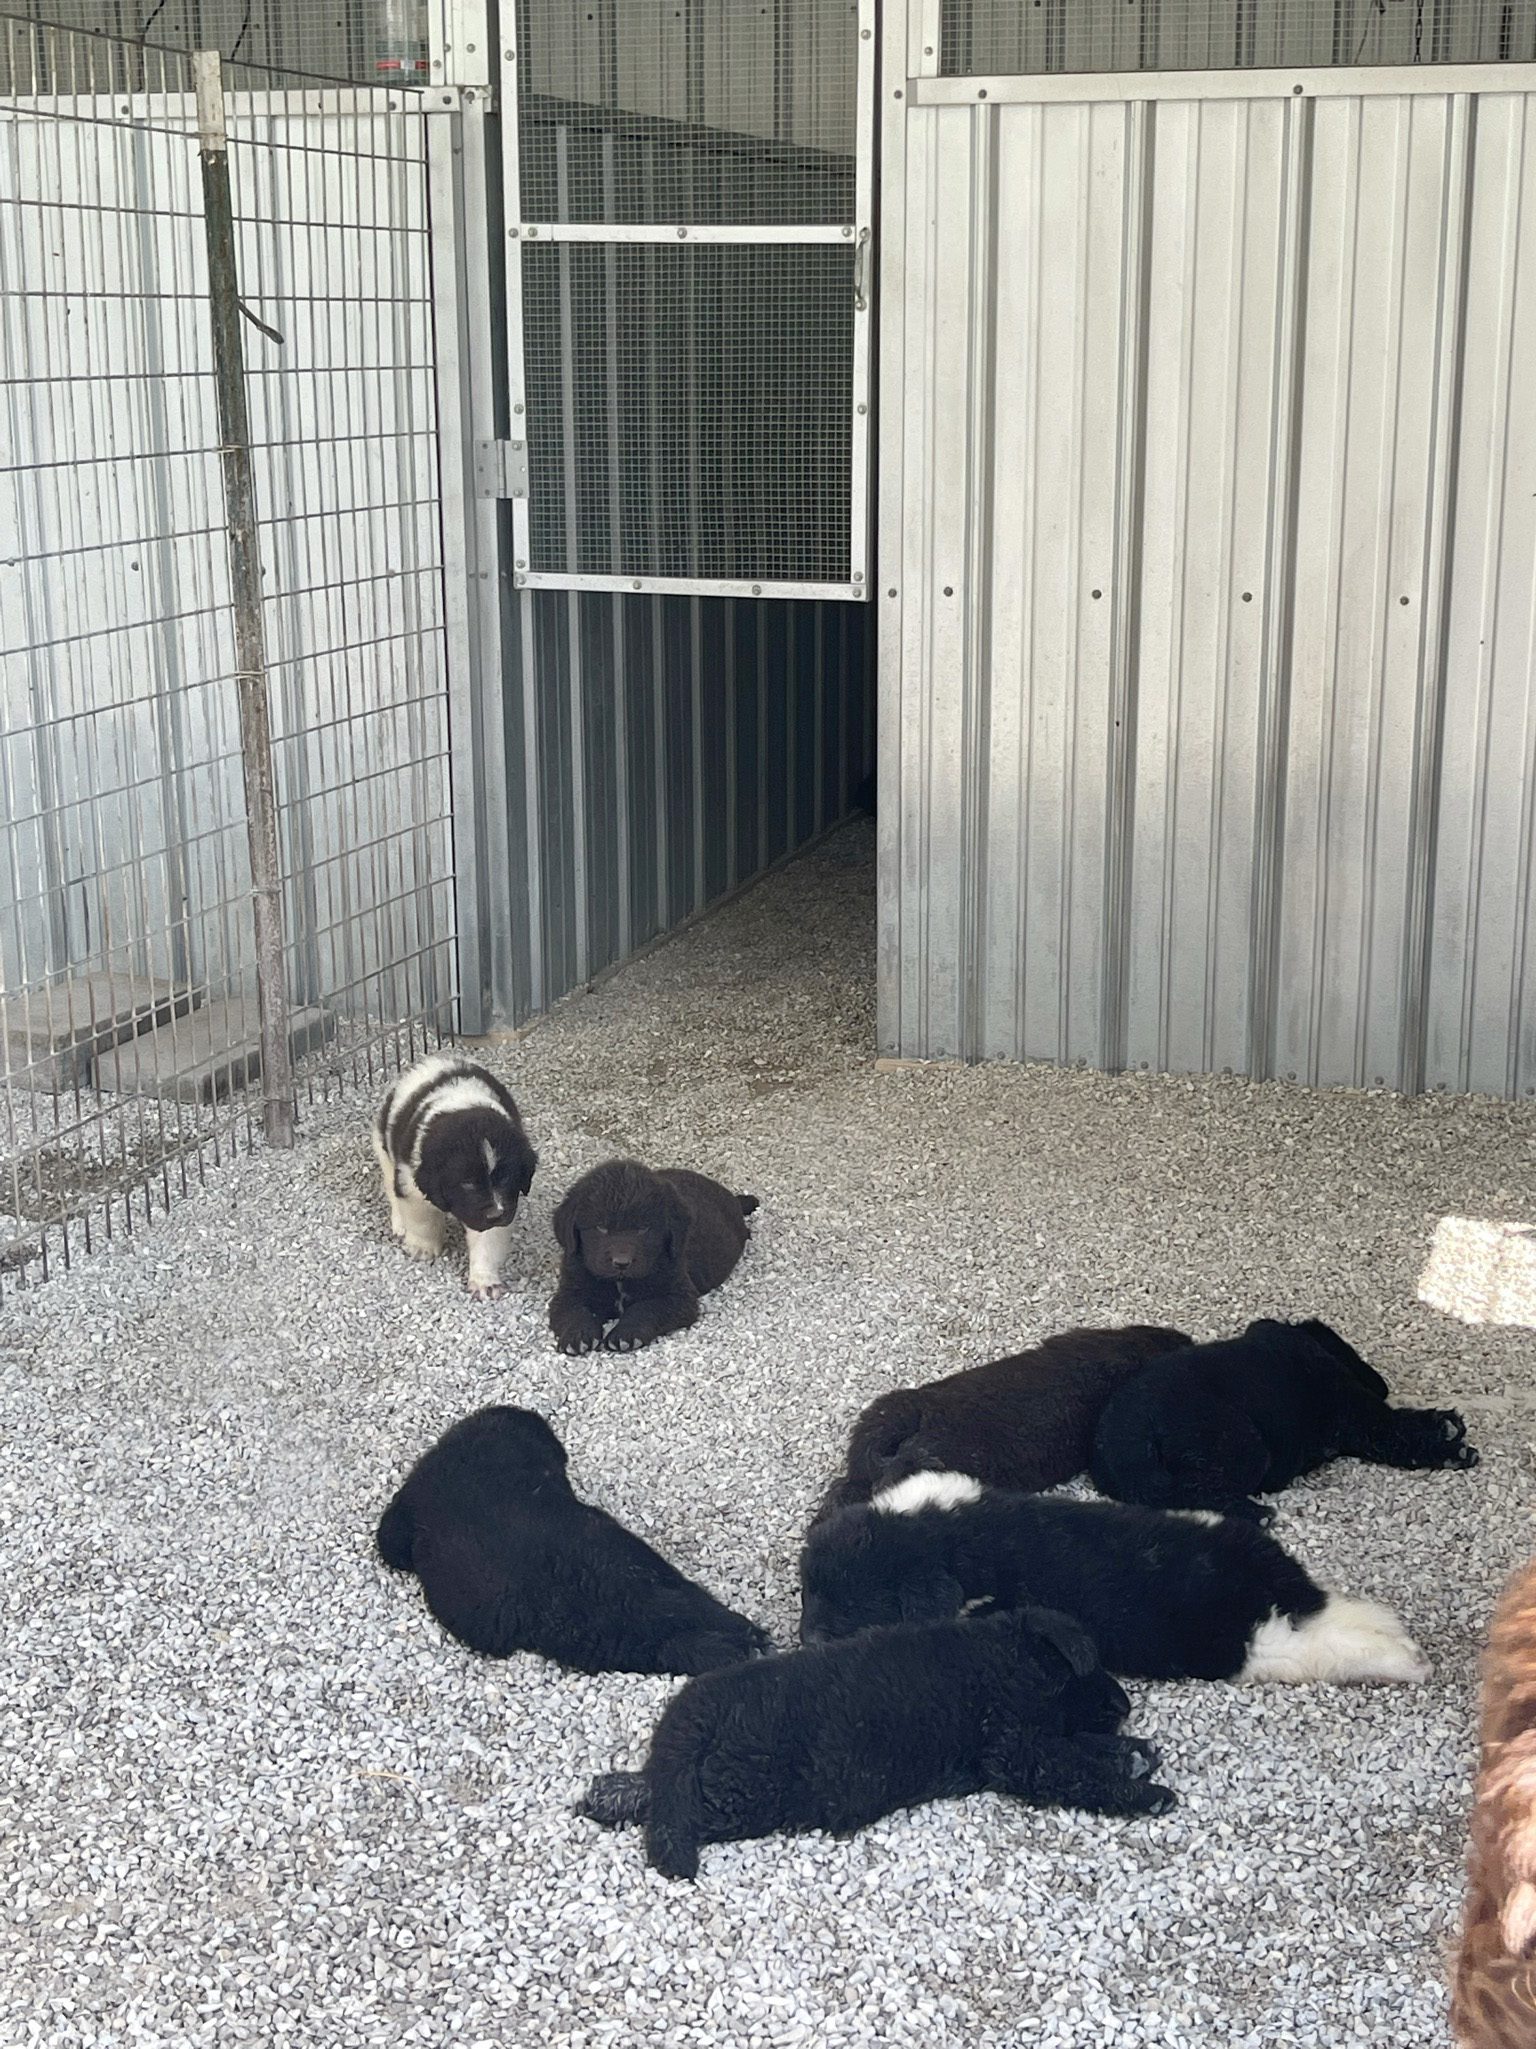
[(982, 37), (690, 409)]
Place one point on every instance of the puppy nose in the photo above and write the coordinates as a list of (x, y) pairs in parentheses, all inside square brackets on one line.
[(621, 1262)]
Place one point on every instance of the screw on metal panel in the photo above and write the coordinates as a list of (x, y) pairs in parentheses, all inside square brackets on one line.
[(1247, 597), (514, 233), (1402, 601), (861, 409), (858, 576), (757, 590), (470, 48), (532, 232), (927, 49), (637, 583), (1098, 594), (847, 231), (891, 592), (521, 563), (517, 448), (981, 95), (864, 35), (1296, 89), (517, 409), (510, 55), (517, 491), (682, 234), (520, 581), (897, 95), (949, 590)]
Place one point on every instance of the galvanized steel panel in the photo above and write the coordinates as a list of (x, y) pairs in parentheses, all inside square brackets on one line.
[(1206, 584)]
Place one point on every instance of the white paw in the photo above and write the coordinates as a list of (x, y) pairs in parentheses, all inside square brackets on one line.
[(417, 1247), (486, 1291)]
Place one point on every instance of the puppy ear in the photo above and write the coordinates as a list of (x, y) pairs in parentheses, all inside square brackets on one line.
[(675, 1229), (931, 1596), (1064, 1634), (564, 1225)]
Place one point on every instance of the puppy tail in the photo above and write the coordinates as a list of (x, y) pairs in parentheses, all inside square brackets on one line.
[(395, 1537), (616, 1799), (749, 1204), (1344, 1642)]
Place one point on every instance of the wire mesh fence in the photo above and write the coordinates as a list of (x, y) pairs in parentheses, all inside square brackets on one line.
[(982, 37), (130, 1049)]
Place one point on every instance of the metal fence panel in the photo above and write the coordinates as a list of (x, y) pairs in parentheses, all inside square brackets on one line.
[(126, 951)]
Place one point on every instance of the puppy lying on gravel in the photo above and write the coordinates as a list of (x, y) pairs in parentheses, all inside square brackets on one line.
[(638, 1250), (450, 1143), (1026, 1421), (1163, 1596), (835, 1737), (510, 1560), (1214, 1425)]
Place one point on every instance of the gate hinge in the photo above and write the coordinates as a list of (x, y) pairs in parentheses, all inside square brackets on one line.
[(501, 469)]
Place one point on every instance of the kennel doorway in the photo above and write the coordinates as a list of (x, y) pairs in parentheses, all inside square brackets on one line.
[(678, 461)]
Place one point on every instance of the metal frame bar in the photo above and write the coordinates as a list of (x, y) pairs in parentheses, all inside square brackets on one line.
[(459, 39), (680, 586), (1341, 82), (178, 109), (660, 233)]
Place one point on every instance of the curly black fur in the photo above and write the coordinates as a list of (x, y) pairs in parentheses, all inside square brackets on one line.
[(639, 1247), (836, 1736), (1214, 1425), (510, 1560), (1162, 1596), (1025, 1422)]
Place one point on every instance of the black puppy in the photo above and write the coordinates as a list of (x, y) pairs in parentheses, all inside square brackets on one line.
[(839, 1735), (1214, 1425), (1180, 1596), (510, 1560), (1026, 1421), (639, 1249)]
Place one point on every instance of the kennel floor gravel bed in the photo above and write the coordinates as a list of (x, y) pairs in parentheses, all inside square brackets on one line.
[(252, 1794)]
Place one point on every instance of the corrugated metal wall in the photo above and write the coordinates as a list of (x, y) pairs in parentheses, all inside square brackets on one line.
[(663, 752), (1209, 501)]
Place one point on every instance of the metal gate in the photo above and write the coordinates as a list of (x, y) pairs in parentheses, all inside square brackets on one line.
[(1206, 568), (688, 197)]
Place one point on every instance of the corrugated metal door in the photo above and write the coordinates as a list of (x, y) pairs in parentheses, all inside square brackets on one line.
[(1208, 572)]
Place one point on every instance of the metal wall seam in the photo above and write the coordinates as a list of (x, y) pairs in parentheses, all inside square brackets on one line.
[(1481, 1005)]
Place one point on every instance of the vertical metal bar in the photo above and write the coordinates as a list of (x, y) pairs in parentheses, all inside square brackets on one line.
[(245, 590)]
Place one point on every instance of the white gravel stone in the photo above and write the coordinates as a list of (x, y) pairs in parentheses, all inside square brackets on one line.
[(253, 1795)]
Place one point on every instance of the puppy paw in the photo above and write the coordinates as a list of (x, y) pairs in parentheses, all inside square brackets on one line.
[(578, 1334), (1452, 1433), (416, 1247), (486, 1291), (1156, 1799), (1259, 1513), (623, 1341)]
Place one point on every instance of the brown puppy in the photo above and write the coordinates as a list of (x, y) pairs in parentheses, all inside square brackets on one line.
[(1025, 1422), (639, 1249), (1495, 1998)]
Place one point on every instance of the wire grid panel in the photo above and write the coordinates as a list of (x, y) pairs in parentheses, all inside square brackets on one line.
[(688, 110), (294, 42), (688, 202), (1000, 37), (689, 408), (127, 984)]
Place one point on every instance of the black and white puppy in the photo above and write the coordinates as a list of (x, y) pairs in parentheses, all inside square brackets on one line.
[(450, 1143), (639, 1247), (1213, 1425), (1164, 1596), (836, 1736), (509, 1560)]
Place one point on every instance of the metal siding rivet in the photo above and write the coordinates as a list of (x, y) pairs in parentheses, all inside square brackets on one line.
[(517, 409), (757, 590), (514, 233), (1402, 601), (532, 232), (847, 231), (682, 234), (470, 48), (1098, 594), (981, 95), (510, 56), (521, 563), (891, 592), (858, 576), (518, 491), (521, 581), (1296, 88), (898, 94), (861, 409), (637, 583), (1247, 597), (864, 35), (949, 590), (927, 49)]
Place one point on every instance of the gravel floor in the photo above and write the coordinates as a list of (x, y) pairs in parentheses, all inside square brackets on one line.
[(252, 1795)]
